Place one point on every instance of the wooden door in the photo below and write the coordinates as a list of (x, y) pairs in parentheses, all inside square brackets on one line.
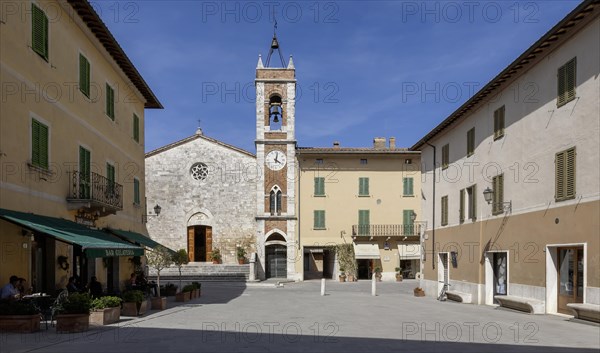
[(570, 278), (208, 243), (191, 243)]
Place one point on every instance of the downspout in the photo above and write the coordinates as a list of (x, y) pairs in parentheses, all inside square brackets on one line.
[(433, 257)]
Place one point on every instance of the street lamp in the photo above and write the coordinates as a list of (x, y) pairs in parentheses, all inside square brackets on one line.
[(488, 195), (156, 209)]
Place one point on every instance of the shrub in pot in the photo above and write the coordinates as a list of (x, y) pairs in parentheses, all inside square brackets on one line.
[(216, 256), (105, 310), (74, 313), (134, 303), (197, 288), (241, 255), (186, 294), (22, 317)]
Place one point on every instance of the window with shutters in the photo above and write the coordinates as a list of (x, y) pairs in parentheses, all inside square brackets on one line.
[(136, 191), (110, 102), (319, 221), (85, 170), (319, 186), (461, 207), (565, 175), (39, 144), (39, 32), (364, 222), (363, 186), (407, 187), (84, 75), (408, 225), (470, 142), (472, 202), (498, 199), (444, 205), (136, 128), (567, 80), (499, 123), (445, 156), (110, 175)]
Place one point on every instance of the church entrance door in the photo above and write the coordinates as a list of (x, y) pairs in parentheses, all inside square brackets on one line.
[(199, 243)]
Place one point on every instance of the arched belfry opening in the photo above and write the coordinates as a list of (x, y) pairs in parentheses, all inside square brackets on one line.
[(275, 200), (275, 112)]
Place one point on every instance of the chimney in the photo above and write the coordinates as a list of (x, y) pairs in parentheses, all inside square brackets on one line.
[(379, 143), (392, 143), (336, 144)]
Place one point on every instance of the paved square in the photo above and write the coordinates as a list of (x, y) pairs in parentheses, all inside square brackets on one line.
[(295, 318)]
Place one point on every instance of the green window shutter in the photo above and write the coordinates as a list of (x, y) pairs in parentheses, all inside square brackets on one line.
[(84, 173), (408, 222), (498, 199), (570, 173), (461, 210), (110, 172), (499, 122), (363, 186), (136, 128), (473, 210), (444, 210), (559, 176), (566, 82), (319, 219), (43, 146), (136, 191), (35, 142), (407, 187), (110, 102), (84, 75), (319, 186), (363, 222), (39, 31)]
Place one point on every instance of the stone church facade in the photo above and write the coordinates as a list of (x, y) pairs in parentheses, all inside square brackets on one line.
[(206, 191)]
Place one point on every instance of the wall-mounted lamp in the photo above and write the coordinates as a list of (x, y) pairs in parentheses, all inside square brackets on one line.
[(157, 210), (488, 196)]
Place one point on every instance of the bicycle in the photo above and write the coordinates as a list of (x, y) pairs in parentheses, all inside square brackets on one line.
[(442, 297)]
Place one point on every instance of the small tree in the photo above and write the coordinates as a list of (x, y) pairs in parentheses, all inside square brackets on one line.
[(159, 259), (180, 258)]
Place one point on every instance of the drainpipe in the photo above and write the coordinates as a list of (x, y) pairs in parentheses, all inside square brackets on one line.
[(433, 257)]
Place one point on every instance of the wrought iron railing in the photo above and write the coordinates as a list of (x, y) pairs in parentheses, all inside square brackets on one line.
[(96, 188), (386, 230)]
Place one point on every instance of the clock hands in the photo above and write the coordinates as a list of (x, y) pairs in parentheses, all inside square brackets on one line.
[(276, 160)]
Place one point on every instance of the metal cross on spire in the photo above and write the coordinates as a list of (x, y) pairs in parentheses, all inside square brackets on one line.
[(275, 44)]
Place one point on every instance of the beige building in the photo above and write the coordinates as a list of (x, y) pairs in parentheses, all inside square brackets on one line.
[(368, 197), (71, 147), (512, 215)]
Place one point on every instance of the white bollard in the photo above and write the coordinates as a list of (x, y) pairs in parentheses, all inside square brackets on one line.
[(374, 285), (322, 286)]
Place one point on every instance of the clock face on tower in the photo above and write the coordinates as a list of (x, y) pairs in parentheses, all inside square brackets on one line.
[(275, 160)]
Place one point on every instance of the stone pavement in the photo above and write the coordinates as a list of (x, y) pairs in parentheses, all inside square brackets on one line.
[(234, 317)]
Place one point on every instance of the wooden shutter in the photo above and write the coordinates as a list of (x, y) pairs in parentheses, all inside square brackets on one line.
[(363, 222), (559, 176), (445, 156), (110, 102), (39, 31), (461, 210), (566, 82), (35, 142), (407, 187), (407, 222), (570, 173), (473, 202), (136, 191), (84, 173), (470, 141), (363, 186), (136, 128), (319, 186), (84, 75), (319, 219), (499, 122), (498, 199), (444, 210)]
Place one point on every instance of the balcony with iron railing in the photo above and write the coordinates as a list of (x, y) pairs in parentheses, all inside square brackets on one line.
[(386, 230), (94, 193)]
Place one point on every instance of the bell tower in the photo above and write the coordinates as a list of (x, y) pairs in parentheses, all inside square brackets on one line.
[(276, 157)]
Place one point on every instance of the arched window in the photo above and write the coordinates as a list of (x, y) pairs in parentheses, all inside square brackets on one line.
[(275, 112), (275, 200)]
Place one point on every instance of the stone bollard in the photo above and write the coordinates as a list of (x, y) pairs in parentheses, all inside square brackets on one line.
[(252, 275), (322, 286), (374, 285)]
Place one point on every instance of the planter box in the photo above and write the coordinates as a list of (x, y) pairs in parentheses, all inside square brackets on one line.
[(419, 293), (398, 278), (241, 261), (72, 322), (159, 303), (131, 308), (183, 297), (342, 278), (20, 323), (105, 316)]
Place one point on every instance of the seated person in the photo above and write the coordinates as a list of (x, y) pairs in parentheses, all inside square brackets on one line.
[(23, 288), (71, 286), (10, 291), (95, 287)]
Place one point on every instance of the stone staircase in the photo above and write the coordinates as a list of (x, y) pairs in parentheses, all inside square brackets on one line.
[(203, 272)]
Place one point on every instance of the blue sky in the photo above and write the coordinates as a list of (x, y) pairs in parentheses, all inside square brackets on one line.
[(364, 68)]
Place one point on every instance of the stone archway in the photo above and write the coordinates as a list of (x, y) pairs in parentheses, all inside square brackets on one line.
[(276, 256), (199, 237)]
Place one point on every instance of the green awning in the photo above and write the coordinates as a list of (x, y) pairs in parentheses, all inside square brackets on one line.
[(95, 243), (138, 238)]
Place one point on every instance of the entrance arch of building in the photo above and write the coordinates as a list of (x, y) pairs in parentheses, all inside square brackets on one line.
[(199, 236), (276, 254)]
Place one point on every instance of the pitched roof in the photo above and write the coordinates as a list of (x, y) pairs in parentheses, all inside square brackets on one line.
[(353, 150), (86, 12), (579, 17), (195, 137)]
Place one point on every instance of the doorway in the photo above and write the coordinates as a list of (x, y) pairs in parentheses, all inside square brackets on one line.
[(443, 271), (199, 243), (570, 277), (276, 261), (365, 268)]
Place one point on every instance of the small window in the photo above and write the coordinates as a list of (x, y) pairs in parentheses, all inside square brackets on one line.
[(275, 201), (319, 186), (319, 161), (136, 191), (499, 123), (84, 75), (565, 175), (39, 32), (407, 187), (567, 75), (363, 186), (444, 210), (363, 161), (470, 142), (136, 128), (39, 144), (445, 156), (319, 221), (498, 199), (110, 102)]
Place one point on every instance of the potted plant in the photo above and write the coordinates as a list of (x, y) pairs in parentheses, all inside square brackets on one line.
[(398, 274), (186, 294), (159, 259), (134, 303), (197, 288), (105, 310), (377, 271), (419, 292), (342, 275), (216, 256), (347, 261), (74, 313), (169, 290), (22, 317), (241, 255), (180, 258)]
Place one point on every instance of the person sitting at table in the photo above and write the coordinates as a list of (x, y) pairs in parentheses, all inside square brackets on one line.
[(22, 287), (10, 291), (71, 286), (95, 287)]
